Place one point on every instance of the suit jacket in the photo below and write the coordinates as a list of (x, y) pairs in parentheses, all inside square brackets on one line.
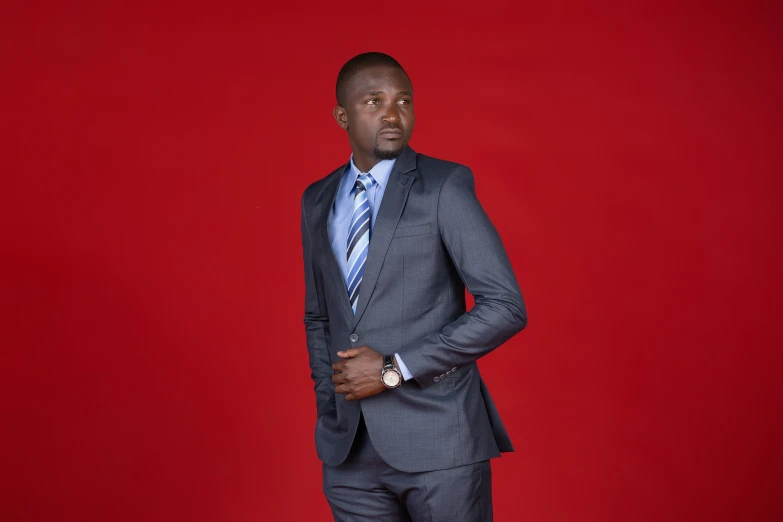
[(431, 239)]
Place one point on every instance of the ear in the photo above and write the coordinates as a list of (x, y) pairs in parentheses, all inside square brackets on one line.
[(341, 117)]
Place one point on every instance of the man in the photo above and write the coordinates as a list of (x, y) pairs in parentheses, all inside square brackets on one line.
[(405, 426)]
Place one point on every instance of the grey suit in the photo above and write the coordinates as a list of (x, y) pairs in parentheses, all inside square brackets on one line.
[(431, 239)]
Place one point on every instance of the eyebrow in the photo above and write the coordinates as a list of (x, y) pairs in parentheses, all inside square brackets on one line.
[(376, 93)]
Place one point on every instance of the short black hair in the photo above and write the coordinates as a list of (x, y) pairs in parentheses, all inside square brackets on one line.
[(359, 63)]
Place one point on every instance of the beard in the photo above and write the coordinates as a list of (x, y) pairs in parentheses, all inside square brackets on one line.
[(386, 154)]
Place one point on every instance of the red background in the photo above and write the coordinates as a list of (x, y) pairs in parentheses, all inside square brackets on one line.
[(153, 353)]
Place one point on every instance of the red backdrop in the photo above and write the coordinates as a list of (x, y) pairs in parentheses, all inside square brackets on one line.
[(153, 157)]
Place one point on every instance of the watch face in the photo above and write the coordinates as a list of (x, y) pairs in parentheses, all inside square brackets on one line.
[(391, 378)]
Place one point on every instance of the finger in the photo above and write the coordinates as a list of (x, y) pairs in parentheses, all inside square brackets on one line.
[(338, 378), (350, 352), (340, 388), (338, 366)]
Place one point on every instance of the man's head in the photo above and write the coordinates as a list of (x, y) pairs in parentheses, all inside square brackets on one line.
[(375, 106)]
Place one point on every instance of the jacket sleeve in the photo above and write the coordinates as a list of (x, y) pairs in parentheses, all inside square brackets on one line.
[(477, 252), (316, 323)]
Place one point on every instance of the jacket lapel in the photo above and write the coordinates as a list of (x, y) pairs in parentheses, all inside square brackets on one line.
[(332, 264), (394, 197)]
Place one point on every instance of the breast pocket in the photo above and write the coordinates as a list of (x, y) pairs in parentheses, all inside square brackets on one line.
[(413, 230)]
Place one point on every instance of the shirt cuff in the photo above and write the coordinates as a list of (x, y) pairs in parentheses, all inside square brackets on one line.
[(406, 374)]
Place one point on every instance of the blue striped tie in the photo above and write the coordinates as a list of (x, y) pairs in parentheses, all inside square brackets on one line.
[(358, 237)]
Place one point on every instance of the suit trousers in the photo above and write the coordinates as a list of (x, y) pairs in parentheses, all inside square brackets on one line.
[(365, 488)]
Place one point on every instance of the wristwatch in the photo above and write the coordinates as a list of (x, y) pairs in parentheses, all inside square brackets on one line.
[(389, 374)]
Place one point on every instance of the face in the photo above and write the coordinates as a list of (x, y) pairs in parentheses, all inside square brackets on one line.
[(378, 114)]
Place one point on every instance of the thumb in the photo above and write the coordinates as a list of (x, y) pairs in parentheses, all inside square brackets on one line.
[(350, 352)]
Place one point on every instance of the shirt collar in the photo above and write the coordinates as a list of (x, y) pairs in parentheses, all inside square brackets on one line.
[(380, 172)]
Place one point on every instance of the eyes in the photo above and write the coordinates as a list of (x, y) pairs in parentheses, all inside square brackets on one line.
[(376, 101)]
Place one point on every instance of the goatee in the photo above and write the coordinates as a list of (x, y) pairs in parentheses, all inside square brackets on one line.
[(386, 154)]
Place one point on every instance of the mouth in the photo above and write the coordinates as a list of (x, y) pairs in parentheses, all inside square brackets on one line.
[(391, 134)]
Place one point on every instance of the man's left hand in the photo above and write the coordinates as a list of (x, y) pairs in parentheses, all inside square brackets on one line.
[(360, 373)]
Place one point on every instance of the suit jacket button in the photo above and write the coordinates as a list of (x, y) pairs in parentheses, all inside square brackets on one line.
[(442, 375), (354, 338), (454, 369), (436, 379)]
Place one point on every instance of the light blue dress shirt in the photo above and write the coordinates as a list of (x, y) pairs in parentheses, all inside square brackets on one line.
[(340, 218)]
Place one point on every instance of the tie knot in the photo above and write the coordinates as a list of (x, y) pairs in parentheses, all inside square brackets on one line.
[(364, 181)]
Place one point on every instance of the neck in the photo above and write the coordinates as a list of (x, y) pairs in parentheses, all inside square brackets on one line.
[(364, 164)]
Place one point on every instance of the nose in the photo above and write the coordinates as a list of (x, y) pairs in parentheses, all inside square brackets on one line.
[(391, 114)]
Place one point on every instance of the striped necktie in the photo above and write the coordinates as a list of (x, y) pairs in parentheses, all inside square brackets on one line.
[(358, 237)]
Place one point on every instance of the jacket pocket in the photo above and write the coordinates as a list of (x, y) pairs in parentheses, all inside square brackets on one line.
[(412, 230)]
